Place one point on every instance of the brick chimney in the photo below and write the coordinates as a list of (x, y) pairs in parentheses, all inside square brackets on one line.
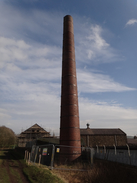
[(69, 121)]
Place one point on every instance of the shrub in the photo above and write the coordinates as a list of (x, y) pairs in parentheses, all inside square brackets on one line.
[(7, 137)]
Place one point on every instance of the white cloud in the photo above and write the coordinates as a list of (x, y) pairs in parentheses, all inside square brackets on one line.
[(17, 51), (31, 88), (41, 109), (30, 25), (46, 112), (92, 47), (4, 115), (28, 72), (90, 82), (107, 116), (131, 22)]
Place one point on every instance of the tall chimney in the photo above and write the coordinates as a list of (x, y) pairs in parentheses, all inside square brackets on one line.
[(69, 121)]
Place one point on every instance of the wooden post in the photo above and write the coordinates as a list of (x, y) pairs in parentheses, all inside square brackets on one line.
[(39, 159), (29, 158)]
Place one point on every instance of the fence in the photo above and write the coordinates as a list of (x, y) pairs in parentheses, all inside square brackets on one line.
[(55, 156), (124, 155)]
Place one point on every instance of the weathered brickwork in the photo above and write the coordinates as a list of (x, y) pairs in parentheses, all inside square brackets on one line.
[(69, 120)]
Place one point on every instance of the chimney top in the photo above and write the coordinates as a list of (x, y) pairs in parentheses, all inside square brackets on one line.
[(88, 125)]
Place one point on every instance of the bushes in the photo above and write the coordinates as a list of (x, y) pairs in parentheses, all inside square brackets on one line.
[(7, 137)]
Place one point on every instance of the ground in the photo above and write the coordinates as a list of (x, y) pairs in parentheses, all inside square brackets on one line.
[(11, 168), (101, 172)]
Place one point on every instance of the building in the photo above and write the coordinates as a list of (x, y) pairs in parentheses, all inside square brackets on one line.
[(28, 137), (91, 137)]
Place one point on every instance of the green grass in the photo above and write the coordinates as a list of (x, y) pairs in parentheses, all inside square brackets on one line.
[(34, 174), (4, 178), (16, 175), (41, 175)]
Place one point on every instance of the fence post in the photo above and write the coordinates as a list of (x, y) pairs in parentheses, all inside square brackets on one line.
[(29, 159), (25, 155), (97, 148), (39, 159), (104, 151), (128, 149), (36, 154), (91, 156), (115, 149), (52, 157), (129, 153)]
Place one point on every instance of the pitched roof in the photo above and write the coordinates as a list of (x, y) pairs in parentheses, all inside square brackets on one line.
[(35, 127), (101, 131)]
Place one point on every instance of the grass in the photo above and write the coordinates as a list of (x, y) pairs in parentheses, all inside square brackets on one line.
[(16, 175), (41, 175), (101, 172), (34, 174), (4, 178)]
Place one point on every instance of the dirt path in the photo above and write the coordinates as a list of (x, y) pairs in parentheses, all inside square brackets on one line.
[(12, 167)]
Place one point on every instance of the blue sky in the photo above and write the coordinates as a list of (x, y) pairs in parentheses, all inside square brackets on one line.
[(31, 34)]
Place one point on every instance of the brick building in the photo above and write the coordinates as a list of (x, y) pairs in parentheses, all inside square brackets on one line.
[(99, 137), (28, 137)]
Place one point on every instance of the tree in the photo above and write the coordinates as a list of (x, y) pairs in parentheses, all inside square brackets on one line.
[(7, 137)]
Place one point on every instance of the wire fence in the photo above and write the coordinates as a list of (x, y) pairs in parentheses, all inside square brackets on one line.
[(57, 157), (125, 155), (61, 157)]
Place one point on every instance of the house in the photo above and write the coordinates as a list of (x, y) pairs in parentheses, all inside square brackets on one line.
[(91, 137), (28, 137)]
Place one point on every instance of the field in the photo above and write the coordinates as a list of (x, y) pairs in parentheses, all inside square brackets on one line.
[(13, 169)]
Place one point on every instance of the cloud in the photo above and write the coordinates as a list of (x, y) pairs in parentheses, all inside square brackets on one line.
[(28, 72), (18, 51), (4, 115), (91, 47), (46, 112), (30, 86), (107, 115), (90, 82), (131, 22), (41, 109), (31, 25)]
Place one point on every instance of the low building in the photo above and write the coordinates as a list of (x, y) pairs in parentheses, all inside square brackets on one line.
[(28, 137), (91, 137)]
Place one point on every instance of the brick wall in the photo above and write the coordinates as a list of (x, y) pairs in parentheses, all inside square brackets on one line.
[(101, 140)]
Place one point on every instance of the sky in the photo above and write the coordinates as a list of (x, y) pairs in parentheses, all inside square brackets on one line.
[(31, 35)]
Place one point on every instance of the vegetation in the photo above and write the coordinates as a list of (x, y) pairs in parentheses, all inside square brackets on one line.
[(36, 174), (7, 137), (14, 169), (102, 172)]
